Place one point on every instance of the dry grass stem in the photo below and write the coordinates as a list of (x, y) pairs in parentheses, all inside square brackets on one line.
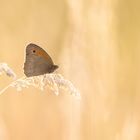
[(6, 69), (54, 81)]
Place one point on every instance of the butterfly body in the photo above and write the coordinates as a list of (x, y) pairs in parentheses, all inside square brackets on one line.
[(37, 61)]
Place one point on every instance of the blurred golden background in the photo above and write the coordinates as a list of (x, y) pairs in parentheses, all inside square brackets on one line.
[(96, 45)]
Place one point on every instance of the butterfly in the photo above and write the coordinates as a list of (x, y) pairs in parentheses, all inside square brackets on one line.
[(37, 61)]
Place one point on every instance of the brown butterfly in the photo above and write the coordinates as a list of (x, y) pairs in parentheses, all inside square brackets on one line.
[(37, 61)]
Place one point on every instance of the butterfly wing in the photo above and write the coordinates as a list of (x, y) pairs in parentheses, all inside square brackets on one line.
[(37, 61)]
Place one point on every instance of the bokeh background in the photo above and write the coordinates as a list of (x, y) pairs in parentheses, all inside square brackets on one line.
[(96, 45)]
